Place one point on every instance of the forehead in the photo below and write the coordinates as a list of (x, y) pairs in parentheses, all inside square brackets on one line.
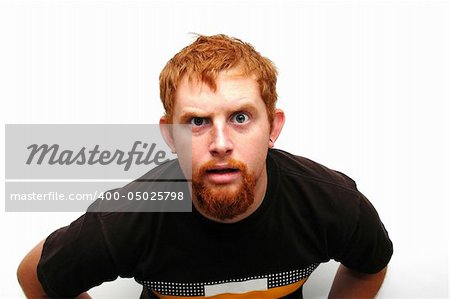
[(231, 86)]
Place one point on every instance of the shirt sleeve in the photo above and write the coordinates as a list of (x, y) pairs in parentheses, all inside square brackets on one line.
[(367, 248), (75, 258)]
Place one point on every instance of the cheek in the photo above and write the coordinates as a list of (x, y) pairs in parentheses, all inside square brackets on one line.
[(259, 140), (253, 152), (199, 153)]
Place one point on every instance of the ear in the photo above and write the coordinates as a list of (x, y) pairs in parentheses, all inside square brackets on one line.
[(166, 132), (277, 125)]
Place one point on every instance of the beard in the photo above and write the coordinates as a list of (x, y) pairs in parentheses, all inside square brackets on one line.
[(223, 201)]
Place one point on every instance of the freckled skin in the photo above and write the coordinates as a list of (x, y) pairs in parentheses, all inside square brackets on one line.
[(235, 125)]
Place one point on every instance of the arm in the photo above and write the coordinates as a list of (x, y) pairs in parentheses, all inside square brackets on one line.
[(27, 274), (351, 284)]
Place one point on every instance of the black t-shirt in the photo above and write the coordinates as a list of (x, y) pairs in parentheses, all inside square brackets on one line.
[(310, 214)]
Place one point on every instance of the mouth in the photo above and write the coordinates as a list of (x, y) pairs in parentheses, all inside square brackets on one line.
[(222, 170), (222, 175)]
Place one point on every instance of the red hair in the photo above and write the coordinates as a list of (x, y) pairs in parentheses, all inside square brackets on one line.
[(209, 55)]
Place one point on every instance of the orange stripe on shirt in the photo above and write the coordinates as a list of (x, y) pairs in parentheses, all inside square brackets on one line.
[(271, 293)]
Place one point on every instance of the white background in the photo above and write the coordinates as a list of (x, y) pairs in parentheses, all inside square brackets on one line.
[(365, 87)]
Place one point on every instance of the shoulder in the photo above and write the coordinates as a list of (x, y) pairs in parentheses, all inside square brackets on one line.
[(306, 170), (136, 195), (313, 191)]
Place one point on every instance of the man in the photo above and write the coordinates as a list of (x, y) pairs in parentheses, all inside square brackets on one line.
[(262, 219)]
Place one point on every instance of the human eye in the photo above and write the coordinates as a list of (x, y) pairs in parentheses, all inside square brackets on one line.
[(240, 118), (198, 121)]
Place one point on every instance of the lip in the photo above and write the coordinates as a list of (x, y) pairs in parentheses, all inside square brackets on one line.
[(222, 174)]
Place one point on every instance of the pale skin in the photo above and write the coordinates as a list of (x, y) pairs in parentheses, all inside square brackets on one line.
[(232, 123), (220, 121)]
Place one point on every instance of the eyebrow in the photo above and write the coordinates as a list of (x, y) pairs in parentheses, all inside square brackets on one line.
[(187, 115)]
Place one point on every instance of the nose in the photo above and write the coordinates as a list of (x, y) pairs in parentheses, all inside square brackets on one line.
[(221, 144)]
